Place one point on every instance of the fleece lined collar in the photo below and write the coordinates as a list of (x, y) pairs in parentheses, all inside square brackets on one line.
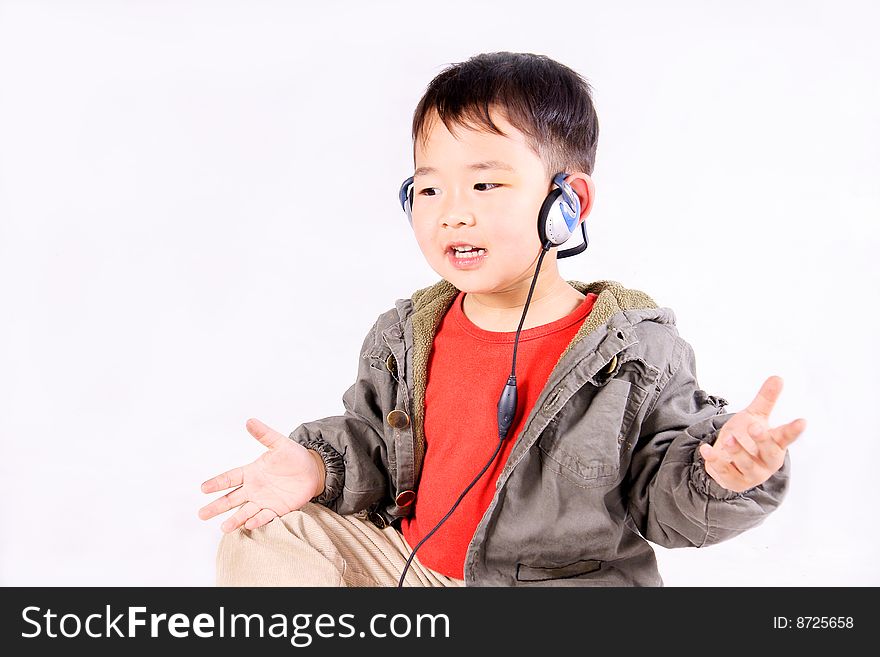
[(431, 303)]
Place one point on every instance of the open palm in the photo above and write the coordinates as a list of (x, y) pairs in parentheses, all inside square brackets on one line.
[(281, 480)]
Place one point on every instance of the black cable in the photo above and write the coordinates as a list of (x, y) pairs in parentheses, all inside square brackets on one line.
[(507, 404), (506, 413), (448, 513), (522, 319)]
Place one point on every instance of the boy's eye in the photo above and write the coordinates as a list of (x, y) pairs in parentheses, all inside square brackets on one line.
[(431, 189)]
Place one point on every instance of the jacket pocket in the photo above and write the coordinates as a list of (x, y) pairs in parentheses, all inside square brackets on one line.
[(526, 573), (582, 442)]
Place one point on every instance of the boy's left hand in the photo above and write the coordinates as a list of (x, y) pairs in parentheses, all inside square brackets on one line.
[(747, 452)]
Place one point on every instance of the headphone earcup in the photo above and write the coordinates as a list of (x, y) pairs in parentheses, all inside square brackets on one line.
[(406, 198), (554, 225)]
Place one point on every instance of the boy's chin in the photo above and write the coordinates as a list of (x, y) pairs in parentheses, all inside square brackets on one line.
[(468, 284)]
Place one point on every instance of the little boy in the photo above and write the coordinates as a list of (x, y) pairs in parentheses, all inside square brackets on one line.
[(513, 428)]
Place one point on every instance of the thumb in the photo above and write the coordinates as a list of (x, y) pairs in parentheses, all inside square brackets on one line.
[(766, 398), (266, 435)]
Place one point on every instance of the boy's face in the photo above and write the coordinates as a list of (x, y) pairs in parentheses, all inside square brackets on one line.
[(487, 206)]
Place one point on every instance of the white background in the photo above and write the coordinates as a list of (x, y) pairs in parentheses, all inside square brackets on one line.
[(199, 223)]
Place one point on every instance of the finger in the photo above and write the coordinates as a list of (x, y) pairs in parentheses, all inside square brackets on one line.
[(720, 459), (766, 398), (773, 442), (786, 434), (266, 435), (745, 441), (223, 504), (262, 518), (241, 516), (746, 464), (226, 480), (715, 463)]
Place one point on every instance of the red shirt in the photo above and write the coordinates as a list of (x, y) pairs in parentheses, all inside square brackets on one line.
[(467, 370)]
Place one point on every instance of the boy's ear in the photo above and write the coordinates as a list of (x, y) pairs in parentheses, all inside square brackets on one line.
[(585, 188)]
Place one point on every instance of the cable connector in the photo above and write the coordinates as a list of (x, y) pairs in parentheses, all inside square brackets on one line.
[(507, 407)]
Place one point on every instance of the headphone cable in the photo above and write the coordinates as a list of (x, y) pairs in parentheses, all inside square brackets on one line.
[(448, 513), (506, 413)]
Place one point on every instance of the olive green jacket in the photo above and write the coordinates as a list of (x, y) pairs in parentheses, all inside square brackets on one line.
[(607, 459)]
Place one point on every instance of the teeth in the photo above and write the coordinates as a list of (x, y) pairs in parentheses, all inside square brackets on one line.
[(469, 254), (464, 248)]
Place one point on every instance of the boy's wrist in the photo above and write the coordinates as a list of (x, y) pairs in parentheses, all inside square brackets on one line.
[(322, 472)]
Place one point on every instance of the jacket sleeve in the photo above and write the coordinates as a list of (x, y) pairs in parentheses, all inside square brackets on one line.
[(351, 444), (673, 500)]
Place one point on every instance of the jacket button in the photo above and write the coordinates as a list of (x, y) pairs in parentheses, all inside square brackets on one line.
[(398, 419), (611, 366), (391, 364), (405, 498)]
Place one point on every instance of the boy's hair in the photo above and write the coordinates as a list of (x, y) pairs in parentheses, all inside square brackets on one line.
[(545, 100)]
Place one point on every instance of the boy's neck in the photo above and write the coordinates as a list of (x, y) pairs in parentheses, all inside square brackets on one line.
[(502, 312)]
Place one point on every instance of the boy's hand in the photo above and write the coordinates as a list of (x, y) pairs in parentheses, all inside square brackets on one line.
[(281, 480), (746, 451)]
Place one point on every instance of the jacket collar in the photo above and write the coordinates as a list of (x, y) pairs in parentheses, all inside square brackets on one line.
[(430, 304)]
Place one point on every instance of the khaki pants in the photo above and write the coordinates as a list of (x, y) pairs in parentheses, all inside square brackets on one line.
[(315, 546)]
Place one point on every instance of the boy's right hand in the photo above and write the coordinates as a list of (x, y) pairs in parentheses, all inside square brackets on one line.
[(281, 480)]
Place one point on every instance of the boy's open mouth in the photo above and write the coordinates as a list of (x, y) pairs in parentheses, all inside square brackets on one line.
[(466, 256), (460, 250)]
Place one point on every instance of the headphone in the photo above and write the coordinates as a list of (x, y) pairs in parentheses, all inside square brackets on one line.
[(557, 219)]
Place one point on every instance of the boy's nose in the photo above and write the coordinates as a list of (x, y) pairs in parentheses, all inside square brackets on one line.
[(458, 220), (457, 214)]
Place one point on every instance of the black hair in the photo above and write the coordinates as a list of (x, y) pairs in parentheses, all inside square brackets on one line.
[(548, 102)]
